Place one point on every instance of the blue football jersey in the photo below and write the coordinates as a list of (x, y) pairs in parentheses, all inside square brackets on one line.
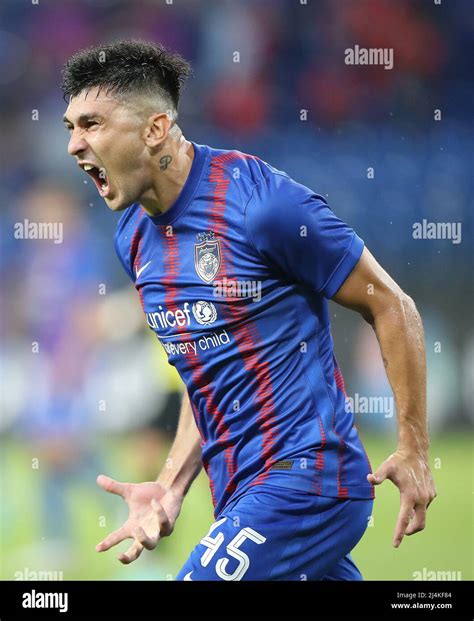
[(234, 280)]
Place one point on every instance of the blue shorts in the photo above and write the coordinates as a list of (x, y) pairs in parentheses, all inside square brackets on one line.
[(275, 533)]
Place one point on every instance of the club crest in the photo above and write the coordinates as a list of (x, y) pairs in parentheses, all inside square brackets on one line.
[(207, 256)]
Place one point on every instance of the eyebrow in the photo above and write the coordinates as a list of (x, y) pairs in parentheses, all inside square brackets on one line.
[(84, 118)]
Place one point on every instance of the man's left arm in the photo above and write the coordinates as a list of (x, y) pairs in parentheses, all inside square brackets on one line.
[(399, 330)]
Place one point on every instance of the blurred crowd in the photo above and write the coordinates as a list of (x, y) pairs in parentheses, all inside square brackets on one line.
[(77, 361)]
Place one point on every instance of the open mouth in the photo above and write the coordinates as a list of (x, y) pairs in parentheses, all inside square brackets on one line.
[(99, 177)]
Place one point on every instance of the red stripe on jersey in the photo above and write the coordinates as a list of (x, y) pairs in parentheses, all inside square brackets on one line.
[(320, 457), (136, 253), (341, 491), (246, 336), (171, 271), (340, 380), (199, 380), (319, 463), (320, 453), (170, 276), (368, 462), (218, 225)]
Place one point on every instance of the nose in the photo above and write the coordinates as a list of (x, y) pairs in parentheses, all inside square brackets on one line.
[(77, 144)]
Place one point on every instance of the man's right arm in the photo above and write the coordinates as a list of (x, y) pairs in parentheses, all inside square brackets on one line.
[(184, 460), (155, 505)]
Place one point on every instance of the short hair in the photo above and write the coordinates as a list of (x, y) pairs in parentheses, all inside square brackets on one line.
[(127, 67)]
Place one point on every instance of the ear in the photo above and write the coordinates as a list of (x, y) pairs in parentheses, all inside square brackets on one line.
[(157, 129)]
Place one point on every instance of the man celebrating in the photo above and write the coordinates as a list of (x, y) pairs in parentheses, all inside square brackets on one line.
[(264, 410)]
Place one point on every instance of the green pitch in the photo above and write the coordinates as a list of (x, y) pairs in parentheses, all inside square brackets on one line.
[(446, 545)]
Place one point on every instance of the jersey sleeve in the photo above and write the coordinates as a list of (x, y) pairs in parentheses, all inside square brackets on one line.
[(294, 230)]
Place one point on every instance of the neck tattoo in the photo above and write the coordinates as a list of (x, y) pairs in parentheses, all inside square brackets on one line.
[(165, 162)]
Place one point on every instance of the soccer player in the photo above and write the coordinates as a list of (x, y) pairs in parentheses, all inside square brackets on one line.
[(234, 263)]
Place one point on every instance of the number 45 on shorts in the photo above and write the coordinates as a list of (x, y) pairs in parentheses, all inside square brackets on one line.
[(216, 547)]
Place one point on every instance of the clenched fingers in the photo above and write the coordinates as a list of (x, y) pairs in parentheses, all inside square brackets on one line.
[(163, 520), (131, 554), (142, 541), (149, 543), (418, 521)]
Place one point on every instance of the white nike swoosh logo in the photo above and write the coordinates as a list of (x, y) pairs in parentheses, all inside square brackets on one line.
[(142, 268), (188, 576)]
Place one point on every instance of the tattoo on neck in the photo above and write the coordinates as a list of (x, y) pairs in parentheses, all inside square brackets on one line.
[(165, 162)]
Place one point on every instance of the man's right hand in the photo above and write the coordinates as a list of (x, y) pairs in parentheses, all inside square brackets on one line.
[(153, 510)]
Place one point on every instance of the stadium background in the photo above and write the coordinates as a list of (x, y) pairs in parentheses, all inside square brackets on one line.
[(95, 394)]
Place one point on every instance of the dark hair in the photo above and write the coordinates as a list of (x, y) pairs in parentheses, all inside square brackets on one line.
[(127, 67)]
